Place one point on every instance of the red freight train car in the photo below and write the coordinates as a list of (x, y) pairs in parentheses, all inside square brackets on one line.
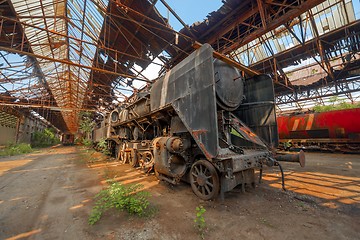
[(334, 130)]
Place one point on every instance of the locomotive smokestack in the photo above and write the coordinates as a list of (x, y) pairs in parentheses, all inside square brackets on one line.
[(299, 157)]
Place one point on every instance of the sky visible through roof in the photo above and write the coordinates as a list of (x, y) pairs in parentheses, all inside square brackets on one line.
[(189, 11)]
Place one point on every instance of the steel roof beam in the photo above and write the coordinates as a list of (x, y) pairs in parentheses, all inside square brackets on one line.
[(291, 14), (71, 63)]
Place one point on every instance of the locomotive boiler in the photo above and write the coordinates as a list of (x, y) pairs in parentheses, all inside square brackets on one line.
[(201, 122)]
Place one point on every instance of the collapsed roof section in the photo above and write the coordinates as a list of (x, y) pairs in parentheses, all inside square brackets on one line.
[(133, 35)]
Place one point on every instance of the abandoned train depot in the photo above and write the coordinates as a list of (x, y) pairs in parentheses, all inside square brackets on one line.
[(168, 119)]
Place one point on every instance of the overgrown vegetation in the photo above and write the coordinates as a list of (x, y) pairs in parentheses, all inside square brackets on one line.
[(86, 142), (335, 104), (15, 149), (122, 198), (86, 127), (102, 146), (200, 223), (44, 138)]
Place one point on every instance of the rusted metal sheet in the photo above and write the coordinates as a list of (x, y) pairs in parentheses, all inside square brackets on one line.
[(190, 89), (258, 109)]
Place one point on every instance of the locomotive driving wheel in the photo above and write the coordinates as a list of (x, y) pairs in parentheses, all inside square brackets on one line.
[(204, 180), (121, 156), (147, 161)]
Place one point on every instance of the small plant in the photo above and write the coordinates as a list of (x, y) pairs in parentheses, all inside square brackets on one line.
[(314, 71), (199, 220), (120, 197), (87, 142), (102, 146)]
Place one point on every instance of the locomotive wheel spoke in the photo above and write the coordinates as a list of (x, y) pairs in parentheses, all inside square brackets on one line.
[(209, 184), (207, 188), (197, 170), (204, 180)]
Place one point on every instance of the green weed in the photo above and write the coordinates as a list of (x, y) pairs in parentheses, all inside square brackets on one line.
[(102, 146), (44, 138), (122, 198), (200, 223), (16, 149), (87, 142)]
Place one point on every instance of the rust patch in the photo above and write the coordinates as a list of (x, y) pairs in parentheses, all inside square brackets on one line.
[(196, 133), (207, 154)]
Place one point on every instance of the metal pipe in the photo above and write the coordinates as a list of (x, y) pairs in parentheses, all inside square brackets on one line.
[(300, 158), (282, 174)]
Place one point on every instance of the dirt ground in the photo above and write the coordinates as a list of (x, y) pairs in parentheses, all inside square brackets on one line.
[(49, 195)]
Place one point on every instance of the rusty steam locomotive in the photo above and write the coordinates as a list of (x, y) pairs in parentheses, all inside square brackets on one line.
[(201, 122)]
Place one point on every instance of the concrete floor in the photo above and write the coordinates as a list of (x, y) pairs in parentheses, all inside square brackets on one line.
[(49, 195)]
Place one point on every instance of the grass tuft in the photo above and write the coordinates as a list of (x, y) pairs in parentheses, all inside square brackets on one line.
[(16, 149)]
